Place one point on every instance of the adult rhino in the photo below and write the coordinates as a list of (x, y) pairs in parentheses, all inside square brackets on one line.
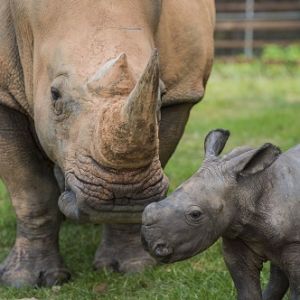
[(82, 91)]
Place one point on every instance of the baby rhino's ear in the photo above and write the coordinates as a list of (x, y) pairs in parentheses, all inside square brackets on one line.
[(255, 161), (215, 142)]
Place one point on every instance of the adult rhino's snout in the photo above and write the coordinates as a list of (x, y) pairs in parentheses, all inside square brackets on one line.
[(68, 205)]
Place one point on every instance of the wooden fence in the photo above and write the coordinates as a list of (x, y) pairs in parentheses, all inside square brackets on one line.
[(247, 26)]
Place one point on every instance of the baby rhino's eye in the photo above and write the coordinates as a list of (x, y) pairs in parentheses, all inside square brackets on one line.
[(193, 215)]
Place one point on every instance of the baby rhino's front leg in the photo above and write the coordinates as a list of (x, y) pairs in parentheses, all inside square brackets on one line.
[(291, 265), (277, 286), (244, 267)]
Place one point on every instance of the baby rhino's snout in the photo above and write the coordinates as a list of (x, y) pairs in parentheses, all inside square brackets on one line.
[(157, 247), (162, 250), (151, 234), (150, 214)]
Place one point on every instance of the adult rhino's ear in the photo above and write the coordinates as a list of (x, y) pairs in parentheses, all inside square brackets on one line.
[(255, 161), (215, 142)]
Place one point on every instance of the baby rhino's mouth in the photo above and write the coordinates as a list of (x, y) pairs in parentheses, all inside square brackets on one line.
[(157, 247)]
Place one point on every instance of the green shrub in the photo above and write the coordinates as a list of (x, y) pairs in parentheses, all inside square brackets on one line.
[(287, 54)]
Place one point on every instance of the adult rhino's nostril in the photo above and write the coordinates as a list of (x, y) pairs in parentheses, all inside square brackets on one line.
[(162, 250)]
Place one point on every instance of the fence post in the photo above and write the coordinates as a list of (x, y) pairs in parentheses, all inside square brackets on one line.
[(248, 47)]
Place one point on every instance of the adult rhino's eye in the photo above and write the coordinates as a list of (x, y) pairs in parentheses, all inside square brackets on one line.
[(55, 94), (57, 103)]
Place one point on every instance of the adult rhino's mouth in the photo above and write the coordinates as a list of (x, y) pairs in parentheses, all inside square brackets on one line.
[(89, 198), (70, 207)]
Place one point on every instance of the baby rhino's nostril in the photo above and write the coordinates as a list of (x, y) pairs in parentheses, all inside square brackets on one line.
[(162, 250)]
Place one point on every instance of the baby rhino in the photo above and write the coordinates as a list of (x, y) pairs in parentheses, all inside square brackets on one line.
[(250, 198)]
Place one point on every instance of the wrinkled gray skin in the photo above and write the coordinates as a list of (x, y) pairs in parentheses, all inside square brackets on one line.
[(250, 198), (100, 91)]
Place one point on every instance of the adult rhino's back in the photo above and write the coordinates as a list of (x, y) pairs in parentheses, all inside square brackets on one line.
[(12, 91), (185, 42)]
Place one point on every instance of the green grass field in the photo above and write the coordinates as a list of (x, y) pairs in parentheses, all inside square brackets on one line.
[(258, 103)]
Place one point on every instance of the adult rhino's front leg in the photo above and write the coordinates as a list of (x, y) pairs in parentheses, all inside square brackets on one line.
[(34, 259), (121, 249)]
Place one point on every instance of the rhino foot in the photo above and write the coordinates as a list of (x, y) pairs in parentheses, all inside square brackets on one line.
[(121, 250), (33, 266)]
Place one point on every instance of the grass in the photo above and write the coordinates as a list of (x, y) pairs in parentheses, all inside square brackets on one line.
[(257, 103)]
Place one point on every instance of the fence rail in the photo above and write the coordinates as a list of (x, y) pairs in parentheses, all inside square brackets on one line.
[(245, 27), (267, 6), (258, 25)]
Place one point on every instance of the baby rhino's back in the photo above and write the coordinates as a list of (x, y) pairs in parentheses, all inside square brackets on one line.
[(294, 153), (287, 169), (285, 194), (289, 162)]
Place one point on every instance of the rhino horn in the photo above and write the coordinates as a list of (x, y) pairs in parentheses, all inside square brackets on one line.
[(142, 102), (113, 78), (129, 134), (140, 109)]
